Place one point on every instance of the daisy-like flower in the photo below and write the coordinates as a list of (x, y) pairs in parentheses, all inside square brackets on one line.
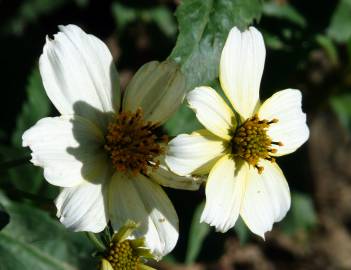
[(104, 150), (238, 148)]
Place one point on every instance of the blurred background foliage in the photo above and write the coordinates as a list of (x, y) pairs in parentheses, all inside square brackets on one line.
[(308, 47)]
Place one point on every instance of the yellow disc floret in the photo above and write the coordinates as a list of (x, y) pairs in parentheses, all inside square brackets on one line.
[(132, 143), (121, 256), (124, 253), (251, 141)]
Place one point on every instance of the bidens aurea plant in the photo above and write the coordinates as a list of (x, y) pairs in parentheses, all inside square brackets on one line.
[(238, 147), (105, 150)]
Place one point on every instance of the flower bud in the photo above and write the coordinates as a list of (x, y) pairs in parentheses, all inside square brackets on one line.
[(157, 88)]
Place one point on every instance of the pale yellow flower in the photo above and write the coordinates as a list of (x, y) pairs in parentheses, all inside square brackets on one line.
[(238, 148)]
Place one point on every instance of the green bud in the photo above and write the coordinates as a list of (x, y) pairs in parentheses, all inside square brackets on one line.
[(158, 89)]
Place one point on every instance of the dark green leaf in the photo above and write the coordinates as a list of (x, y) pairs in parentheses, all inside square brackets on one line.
[(29, 12), (339, 28), (198, 232), (273, 42), (36, 106), (242, 231), (4, 218), (341, 104), (28, 177), (283, 11), (203, 29), (302, 215), (160, 15), (183, 121), (170, 258), (329, 47), (33, 240)]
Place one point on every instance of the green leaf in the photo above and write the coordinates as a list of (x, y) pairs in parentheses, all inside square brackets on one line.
[(24, 177), (302, 215), (329, 47), (273, 42), (28, 177), (242, 231), (169, 258), (283, 11), (341, 105), (164, 19), (29, 11), (197, 234), (183, 121), (203, 29), (123, 15), (160, 15), (35, 107), (4, 218), (33, 240), (339, 28)]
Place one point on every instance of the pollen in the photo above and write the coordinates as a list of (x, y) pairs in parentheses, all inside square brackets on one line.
[(133, 144), (251, 142), (122, 256)]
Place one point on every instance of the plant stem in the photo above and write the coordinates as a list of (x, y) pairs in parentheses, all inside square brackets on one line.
[(98, 244)]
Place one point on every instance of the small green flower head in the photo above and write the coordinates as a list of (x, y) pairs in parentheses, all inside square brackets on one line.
[(125, 253)]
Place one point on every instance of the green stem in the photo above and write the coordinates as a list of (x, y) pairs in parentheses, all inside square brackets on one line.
[(97, 243)]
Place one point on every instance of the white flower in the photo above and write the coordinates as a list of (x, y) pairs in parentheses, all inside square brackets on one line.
[(239, 157), (103, 150)]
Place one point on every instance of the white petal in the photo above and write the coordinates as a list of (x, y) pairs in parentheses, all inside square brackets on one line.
[(79, 75), (266, 199), (224, 190), (157, 88), (69, 149), (291, 128), (212, 111), (241, 69), (83, 208), (143, 201), (165, 177), (187, 153)]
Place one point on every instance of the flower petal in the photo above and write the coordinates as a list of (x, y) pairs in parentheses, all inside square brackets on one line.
[(68, 149), (224, 190), (79, 75), (143, 201), (212, 111), (241, 69), (158, 88), (187, 153), (266, 199), (165, 177), (291, 128), (83, 208), (105, 265)]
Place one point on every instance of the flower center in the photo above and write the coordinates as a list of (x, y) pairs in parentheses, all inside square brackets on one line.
[(251, 142), (132, 143), (122, 256)]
